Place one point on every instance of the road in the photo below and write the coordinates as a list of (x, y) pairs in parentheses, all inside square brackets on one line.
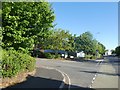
[(80, 73), (87, 74), (43, 78), (115, 63), (109, 74)]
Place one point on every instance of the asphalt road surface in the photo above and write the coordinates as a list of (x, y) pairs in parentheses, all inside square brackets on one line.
[(81, 73), (108, 75), (115, 62)]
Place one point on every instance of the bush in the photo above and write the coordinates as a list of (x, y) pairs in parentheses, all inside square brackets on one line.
[(57, 56), (50, 56), (87, 56), (37, 53), (93, 57), (90, 57), (117, 51), (14, 62)]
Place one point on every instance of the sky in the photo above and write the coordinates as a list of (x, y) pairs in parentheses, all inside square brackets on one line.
[(100, 18)]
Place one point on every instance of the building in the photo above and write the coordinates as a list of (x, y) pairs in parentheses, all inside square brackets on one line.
[(108, 53), (81, 54)]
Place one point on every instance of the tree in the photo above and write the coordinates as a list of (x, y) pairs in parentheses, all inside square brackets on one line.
[(117, 50), (101, 48), (24, 23), (113, 51), (0, 16), (58, 39), (0, 20), (84, 42)]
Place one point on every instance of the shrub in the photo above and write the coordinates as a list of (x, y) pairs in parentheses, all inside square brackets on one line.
[(57, 56), (93, 57), (87, 56), (49, 55), (37, 53), (117, 51), (90, 57), (14, 62)]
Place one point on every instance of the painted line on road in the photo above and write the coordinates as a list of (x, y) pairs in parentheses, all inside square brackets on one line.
[(90, 86), (62, 84), (69, 81), (93, 80), (97, 64), (63, 74), (64, 80)]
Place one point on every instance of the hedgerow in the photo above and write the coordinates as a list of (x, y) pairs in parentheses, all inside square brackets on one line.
[(14, 62)]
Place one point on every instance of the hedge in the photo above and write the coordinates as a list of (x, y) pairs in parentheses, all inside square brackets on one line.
[(90, 57), (52, 56), (14, 62)]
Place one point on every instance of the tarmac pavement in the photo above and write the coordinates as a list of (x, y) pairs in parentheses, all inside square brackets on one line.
[(43, 78), (106, 77)]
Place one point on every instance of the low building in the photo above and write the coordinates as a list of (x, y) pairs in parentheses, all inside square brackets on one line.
[(81, 54), (108, 53), (63, 53)]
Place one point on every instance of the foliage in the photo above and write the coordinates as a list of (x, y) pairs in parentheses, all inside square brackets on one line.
[(0, 15), (0, 26), (28, 24), (13, 62), (37, 53), (113, 51), (24, 22), (117, 50), (1, 36), (101, 48), (58, 39), (90, 57), (51, 56), (57, 56), (86, 43)]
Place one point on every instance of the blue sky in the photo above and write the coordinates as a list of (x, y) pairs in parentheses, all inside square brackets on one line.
[(100, 18)]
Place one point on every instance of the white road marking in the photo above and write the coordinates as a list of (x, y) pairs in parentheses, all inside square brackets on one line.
[(69, 81), (100, 62), (63, 74), (97, 64)]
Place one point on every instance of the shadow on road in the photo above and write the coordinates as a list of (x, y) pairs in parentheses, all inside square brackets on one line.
[(101, 73), (74, 87), (38, 82), (105, 60), (82, 60)]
